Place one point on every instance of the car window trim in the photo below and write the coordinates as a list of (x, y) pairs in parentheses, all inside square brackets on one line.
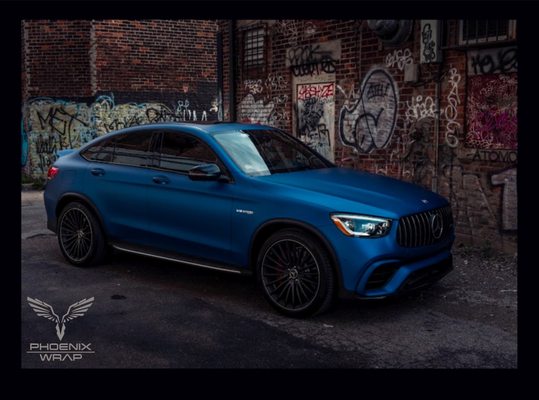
[(222, 165), (155, 151)]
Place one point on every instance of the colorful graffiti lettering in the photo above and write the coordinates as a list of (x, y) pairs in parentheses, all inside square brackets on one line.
[(492, 111)]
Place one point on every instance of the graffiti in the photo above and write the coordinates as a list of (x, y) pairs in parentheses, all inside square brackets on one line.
[(508, 179), (492, 111), (294, 30), (264, 102), (322, 91), (419, 108), (417, 158), (399, 58), (108, 116), (452, 126), (50, 125), (255, 111), (369, 122), (24, 146), (253, 86), (495, 156), (428, 44), (313, 58), (490, 61), (315, 110), (275, 82)]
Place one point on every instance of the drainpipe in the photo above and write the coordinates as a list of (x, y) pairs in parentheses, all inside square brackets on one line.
[(437, 94), (232, 70), (220, 75)]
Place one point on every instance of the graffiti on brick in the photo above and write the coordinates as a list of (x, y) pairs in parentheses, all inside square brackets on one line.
[(419, 107), (508, 180), (428, 45), (255, 111), (452, 126), (312, 59), (315, 116), (503, 156), (109, 116), (492, 111), (293, 30), (399, 58), (368, 123), (492, 61), (265, 101), (51, 124), (24, 146), (253, 86)]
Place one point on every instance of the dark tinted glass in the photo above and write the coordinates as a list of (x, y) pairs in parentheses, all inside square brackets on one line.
[(101, 151), (129, 149), (133, 149), (181, 152)]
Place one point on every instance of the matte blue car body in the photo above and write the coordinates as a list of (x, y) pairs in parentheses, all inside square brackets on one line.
[(206, 219)]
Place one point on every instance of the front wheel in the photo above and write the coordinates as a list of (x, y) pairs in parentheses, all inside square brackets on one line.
[(80, 236), (295, 273)]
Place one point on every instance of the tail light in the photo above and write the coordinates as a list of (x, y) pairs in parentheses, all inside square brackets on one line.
[(53, 171)]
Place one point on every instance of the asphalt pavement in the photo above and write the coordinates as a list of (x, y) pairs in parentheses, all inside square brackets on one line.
[(154, 314)]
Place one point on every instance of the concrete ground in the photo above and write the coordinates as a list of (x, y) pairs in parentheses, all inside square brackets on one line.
[(154, 314)]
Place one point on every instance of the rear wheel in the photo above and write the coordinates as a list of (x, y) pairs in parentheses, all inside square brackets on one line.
[(295, 273), (80, 236)]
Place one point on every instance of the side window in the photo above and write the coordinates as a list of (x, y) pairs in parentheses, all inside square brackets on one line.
[(101, 151), (181, 152), (133, 149)]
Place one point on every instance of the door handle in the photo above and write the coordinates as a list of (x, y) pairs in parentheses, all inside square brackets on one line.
[(161, 180), (97, 171)]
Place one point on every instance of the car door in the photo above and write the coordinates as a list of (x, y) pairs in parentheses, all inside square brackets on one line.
[(191, 218), (116, 181)]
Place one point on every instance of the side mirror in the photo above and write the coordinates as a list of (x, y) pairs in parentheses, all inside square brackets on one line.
[(205, 172)]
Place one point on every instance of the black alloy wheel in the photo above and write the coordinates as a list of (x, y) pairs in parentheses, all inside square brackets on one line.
[(296, 274), (79, 235)]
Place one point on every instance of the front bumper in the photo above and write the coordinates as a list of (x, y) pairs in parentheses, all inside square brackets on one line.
[(385, 279)]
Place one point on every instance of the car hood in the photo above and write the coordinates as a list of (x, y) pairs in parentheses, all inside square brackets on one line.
[(352, 188)]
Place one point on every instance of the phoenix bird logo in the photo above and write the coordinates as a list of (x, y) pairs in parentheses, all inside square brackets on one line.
[(75, 310)]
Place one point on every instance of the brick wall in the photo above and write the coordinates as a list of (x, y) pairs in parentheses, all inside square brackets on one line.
[(154, 55), (340, 88), (56, 58), (82, 79)]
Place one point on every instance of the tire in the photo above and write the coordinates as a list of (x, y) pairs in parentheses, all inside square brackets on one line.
[(80, 236), (295, 273)]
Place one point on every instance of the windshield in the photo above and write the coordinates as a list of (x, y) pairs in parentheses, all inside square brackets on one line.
[(266, 152)]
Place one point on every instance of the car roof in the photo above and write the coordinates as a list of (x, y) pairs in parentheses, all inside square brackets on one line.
[(204, 128)]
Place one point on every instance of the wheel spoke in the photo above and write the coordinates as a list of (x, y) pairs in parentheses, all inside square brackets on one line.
[(275, 262), (277, 280), (290, 275), (76, 234)]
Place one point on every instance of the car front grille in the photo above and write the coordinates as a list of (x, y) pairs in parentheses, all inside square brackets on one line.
[(425, 228)]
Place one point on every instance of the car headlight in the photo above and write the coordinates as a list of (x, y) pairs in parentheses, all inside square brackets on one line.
[(361, 225)]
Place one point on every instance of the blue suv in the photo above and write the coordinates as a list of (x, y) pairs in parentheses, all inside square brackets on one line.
[(248, 199)]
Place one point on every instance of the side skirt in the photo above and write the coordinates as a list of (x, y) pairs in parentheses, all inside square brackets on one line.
[(179, 259)]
